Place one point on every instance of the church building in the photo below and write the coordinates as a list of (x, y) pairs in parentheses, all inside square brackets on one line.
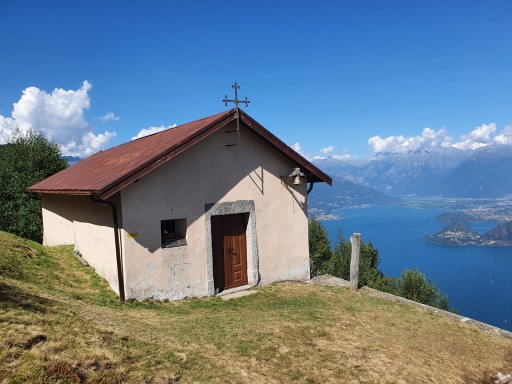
[(216, 204)]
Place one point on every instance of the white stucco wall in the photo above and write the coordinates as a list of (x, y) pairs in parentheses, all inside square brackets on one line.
[(58, 212), (76, 220), (207, 173)]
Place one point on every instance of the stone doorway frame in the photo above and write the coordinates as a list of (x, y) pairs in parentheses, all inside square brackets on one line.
[(230, 208)]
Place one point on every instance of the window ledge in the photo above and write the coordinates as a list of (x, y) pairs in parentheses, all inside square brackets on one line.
[(176, 243)]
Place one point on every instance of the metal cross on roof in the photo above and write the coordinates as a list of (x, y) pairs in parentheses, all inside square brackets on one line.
[(235, 100), (236, 87)]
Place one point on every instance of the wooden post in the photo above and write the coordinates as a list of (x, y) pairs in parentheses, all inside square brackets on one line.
[(355, 240)]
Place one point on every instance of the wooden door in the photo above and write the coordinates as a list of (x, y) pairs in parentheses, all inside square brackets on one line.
[(229, 245)]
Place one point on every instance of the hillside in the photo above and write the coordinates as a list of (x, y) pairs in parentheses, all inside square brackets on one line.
[(60, 323), (485, 174), (72, 159), (325, 199), (458, 233), (502, 232)]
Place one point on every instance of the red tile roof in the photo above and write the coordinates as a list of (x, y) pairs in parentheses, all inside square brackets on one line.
[(109, 171)]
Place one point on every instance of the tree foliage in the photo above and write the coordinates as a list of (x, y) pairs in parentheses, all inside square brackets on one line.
[(25, 161), (412, 284), (319, 247), (369, 274), (415, 286)]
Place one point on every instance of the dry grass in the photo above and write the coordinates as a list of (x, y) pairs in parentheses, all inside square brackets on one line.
[(60, 323)]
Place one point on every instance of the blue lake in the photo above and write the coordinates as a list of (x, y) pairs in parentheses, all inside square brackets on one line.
[(477, 280)]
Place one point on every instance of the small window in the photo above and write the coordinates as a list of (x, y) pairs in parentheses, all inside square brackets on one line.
[(173, 233)]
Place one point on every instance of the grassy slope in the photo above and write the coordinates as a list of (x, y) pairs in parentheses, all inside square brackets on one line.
[(60, 323)]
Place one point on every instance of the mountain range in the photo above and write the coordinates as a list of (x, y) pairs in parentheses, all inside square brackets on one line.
[(72, 159), (482, 173)]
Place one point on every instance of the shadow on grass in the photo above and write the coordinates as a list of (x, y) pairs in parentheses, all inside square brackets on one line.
[(12, 297)]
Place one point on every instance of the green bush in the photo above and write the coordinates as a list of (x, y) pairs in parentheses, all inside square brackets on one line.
[(25, 161), (369, 274), (415, 286), (319, 247)]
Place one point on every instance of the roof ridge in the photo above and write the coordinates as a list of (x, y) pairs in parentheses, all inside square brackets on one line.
[(177, 126), (165, 130)]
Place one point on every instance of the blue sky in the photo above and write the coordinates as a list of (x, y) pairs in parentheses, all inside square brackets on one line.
[(318, 73)]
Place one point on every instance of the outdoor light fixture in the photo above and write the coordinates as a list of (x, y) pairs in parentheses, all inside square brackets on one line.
[(296, 175)]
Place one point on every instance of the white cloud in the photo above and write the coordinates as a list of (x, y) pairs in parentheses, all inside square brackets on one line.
[(149, 131), (297, 148), (59, 116), (327, 150), (481, 136), (8, 128), (343, 156), (89, 144), (505, 137), (111, 116), (477, 138), (428, 139)]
